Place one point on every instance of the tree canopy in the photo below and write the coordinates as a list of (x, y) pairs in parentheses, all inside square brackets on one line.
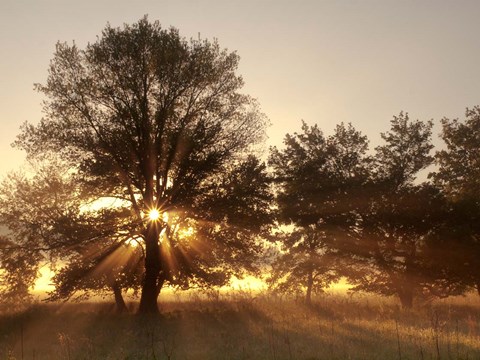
[(458, 177), (147, 117), (398, 213), (317, 177)]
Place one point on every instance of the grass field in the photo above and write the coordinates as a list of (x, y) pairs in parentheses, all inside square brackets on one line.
[(244, 326)]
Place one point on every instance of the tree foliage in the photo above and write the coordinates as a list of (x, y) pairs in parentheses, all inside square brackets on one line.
[(316, 177), (48, 222), (148, 117), (458, 177), (151, 121), (398, 215)]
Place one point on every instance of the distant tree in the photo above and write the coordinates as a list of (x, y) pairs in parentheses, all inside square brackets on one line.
[(394, 244), (459, 163), (318, 179), (458, 175), (399, 214), (147, 117)]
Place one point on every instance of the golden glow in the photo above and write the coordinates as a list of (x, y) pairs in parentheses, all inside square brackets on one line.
[(340, 286), (103, 203), (44, 281), (154, 215), (134, 241), (186, 233), (247, 283)]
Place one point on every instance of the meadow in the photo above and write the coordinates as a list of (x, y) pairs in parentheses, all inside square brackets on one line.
[(243, 325)]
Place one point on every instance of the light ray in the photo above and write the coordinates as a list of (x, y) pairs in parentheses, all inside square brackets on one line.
[(154, 215)]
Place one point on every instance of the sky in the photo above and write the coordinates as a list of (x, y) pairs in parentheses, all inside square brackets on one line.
[(321, 61)]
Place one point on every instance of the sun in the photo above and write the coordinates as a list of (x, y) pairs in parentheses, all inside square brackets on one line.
[(154, 214)]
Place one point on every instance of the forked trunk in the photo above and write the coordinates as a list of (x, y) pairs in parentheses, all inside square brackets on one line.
[(148, 299), (120, 306)]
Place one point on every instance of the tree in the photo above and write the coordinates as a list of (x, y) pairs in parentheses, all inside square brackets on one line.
[(27, 220), (47, 221), (394, 244), (152, 119), (458, 176), (317, 178), (18, 273), (398, 214), (101, 268), (93, 245), (306, 263)]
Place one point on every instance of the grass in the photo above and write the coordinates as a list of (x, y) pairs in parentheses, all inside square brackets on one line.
[(242, 326)]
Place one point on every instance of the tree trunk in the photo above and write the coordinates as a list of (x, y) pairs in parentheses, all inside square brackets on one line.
[(308, 296), (120, 306), (478, 287), (406, 298), (148, 299)]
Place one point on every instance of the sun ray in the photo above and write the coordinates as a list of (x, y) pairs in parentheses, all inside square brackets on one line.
[(153, 215)]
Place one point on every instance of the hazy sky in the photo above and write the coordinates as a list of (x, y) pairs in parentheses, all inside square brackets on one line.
[(321, 61)]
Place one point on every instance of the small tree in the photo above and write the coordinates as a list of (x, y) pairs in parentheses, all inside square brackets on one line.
[(100, 268), (18, 272), (316, 178), (47, 221), (306, 264)]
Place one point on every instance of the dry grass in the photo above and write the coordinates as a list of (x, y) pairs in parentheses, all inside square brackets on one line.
[(241, 326)]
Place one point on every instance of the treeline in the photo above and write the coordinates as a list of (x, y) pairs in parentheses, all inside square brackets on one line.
[(369, 216), (145, 174)]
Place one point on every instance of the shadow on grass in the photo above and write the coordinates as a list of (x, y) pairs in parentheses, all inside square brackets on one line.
[(249, 329)]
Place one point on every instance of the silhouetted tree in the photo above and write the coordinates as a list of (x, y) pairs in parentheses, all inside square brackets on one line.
[(18, 272), (452, 250), (398, 214), (27, 213), (459, 163), (100, 268), (152, 119), (317, 178), (47, 221), (457, 246), (306, 263)]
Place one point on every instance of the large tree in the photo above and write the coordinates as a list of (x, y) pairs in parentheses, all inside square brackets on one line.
[(145, 116), (318, 179)]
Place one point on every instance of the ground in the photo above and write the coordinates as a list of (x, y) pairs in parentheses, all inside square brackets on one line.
[(247, 326)]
